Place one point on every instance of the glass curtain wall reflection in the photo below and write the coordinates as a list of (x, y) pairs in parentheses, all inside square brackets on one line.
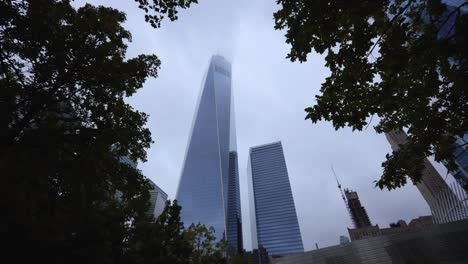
[(208, 187), (274, 220), (461, 160)]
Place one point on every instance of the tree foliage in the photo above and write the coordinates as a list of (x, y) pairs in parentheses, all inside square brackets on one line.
[(239, 259), (205, 247), (64, 124), (162, 241), (156, 10), (402, 61)]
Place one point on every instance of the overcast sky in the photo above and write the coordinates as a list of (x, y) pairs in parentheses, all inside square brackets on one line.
[(270, 94)]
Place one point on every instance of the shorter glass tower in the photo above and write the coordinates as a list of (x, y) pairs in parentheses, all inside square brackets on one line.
[(274, 219)]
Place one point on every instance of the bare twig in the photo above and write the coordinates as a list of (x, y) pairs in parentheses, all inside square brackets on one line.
[(370, 121)]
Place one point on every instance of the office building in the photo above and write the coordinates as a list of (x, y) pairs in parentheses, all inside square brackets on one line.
[(274, 220), (461, 160), (158, 197), (158, 200), (128, 161), (417, 224), (209, 189), (234, 221)]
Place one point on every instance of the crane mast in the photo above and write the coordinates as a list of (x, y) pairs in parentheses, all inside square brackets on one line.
[(343, 196)]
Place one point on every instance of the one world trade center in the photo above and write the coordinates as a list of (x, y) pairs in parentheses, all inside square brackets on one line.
[(209, 185)]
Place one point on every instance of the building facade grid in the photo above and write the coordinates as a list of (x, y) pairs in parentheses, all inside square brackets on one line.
[(275, 225)]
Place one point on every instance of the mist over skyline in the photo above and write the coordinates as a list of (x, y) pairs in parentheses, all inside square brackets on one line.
[(270, 93)]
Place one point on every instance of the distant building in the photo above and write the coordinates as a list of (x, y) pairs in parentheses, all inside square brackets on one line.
[(357, 211), (422, 222), (444, 243), (257, 256), (399, 223), (158, 200), (274, 224), (431, 184), (125, 160), (416, 224), (364, 232), (344, 240), (158, 197), (128, 161)]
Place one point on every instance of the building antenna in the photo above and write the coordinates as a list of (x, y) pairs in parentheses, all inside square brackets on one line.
[(343, 196)]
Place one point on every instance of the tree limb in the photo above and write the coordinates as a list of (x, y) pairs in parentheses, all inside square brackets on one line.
[(456, 10), (389, 26)]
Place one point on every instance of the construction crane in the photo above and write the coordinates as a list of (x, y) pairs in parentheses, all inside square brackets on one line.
[(343, 196)]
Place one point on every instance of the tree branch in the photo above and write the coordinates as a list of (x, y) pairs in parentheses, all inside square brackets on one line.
[(389, 26), (370, 121), (456, 10)]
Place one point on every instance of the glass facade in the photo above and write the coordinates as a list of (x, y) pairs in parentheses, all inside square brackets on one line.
[(158, 200), (158, 197), (461, 159), (204, 185), (234, 218), (274, 224), (128, 161)]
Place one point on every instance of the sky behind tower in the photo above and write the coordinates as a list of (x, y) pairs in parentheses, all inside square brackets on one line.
[(270, 94)]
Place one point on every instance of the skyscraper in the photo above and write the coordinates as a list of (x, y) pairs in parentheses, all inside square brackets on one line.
[(357, 211), (431, 184), (234, 220), (274, 219), (209, 186)]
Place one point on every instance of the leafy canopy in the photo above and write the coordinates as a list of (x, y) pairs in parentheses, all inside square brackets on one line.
[(205, 247), (404, 62), (64, 126), (161, 241), (156, 10)]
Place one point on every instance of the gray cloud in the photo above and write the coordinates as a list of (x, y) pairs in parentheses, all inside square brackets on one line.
[(270, 94)]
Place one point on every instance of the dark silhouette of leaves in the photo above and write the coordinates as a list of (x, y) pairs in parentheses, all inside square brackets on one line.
[(402, 61), (157, 10), (64, 126)]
